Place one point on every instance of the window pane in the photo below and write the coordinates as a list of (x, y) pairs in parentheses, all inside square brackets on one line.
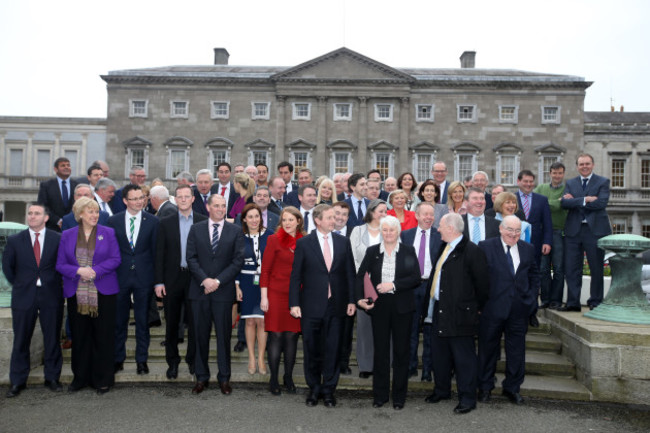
[(218, 156), (645, 173), (382, 163), (177, 162), (383, 111), (300, 160), (619, 226), (72, 156), (466, 112), (302, 110), (425, 112), (137, 157), (260, 109), (547, 161), (423, 163), (645, 229), (43, 168), (139, 108), (259, 157), (343, 110), (618, 173), (220, 109), (550, 114), (465, 168), (507, 175), (341, 163), (16, 162), (507, 113)]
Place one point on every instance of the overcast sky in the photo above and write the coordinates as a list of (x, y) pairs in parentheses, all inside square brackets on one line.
[(52, 53)]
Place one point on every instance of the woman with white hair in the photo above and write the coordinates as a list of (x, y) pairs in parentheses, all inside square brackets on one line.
[(390, 302)]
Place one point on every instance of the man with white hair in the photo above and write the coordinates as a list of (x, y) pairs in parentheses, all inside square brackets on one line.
[(159, 199), (481, 180), (184, 178), (202, 191), (251, 171)]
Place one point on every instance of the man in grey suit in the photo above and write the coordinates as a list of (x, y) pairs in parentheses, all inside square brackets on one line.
[(215, 255), (586, 198)]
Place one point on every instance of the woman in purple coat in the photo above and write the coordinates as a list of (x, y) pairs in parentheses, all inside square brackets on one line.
[(87, 260)]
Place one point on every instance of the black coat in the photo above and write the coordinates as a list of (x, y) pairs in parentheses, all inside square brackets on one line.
[(464, 289)]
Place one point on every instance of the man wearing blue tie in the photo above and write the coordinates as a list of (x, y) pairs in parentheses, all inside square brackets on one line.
[(357, 201), (586, 198)]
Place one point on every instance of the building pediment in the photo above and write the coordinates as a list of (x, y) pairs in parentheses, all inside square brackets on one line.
[(424, 146), (301, 144), (382, 145), (507, 147), (259, 144), (466, 146), (219, 142), (550, 148), (137, 141), (178, 141), (343, 65)]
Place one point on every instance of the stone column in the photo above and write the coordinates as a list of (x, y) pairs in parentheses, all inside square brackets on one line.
[(279, 133), (633, 181), (362, 141), (319, 163), (401, 165), (84, 154), (30, 166)]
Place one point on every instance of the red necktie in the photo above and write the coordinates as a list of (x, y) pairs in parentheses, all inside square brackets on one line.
[(223, 191), (37, 250)]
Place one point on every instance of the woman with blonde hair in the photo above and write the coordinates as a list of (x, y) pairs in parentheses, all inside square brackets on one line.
[(505, 205), (245, 187), (456, 198), (326, 192)]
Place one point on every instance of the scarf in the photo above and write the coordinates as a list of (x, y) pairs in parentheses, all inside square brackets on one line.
[(86, 291)]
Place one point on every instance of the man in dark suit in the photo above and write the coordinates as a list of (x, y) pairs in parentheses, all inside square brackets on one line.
[(426, 241), (215, 255), (285, 171), (136, 232), (29, 262), (105, 195), (514, 284), (458, 289), (586, 198), (262, 199), (480, 180), (92, 176), (224, 187), (375, 175), (478, 226), (358, 202), (159, 199), (82, 190), (137, 176), (538, 214), (321, 292), (173, 277), (304, 178), (277, 187), (202, 190), (439, 173), (57, 194)]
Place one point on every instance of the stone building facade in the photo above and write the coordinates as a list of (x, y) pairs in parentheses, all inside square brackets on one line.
[(30, 145), (343, 112)]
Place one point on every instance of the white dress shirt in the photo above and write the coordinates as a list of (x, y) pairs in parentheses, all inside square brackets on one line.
[(427, 254), (41, 241), (136, 225)]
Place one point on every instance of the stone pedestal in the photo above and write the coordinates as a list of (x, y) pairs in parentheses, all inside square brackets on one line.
[(7, 341), (612, 359)]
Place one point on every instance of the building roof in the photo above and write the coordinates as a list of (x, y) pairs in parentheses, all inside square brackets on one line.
[(617, 117)]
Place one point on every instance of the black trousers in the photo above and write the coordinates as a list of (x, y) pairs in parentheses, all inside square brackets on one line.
[(320, 338), (347, 329), (388, 324), (174, 302), (24, 322), (93, 350), (206, 313)]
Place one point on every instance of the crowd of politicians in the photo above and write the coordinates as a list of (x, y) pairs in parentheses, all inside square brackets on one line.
[(456, 260)]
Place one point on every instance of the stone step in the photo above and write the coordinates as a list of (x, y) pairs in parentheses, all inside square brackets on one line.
[(559, 388)]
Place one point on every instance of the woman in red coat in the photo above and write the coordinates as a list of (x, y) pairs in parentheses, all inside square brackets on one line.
[(397, 200), (282, 328)]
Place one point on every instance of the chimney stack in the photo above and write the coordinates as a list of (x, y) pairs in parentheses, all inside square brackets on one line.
[(467, 59), (221, 56), (622, 109)]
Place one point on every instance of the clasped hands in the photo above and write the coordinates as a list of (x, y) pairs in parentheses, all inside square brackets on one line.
[(86, 273), (210, 285)]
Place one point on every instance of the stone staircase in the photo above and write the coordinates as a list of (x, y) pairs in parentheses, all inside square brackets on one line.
[(549, 374)]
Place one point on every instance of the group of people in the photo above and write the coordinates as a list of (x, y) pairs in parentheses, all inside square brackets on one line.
[(439, 258)]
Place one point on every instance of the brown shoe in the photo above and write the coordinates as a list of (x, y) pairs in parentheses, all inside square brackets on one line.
[(225, 388), (67, 344), (199, 387)]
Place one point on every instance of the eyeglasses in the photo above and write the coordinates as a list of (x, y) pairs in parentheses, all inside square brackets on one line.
[(511, 230), (136, 198), (440, 171)]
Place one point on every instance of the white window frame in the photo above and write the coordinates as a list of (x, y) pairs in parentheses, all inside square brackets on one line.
[(391, 162), (251, 157), (50, 162), (459, 109), (130, 163), (132, 112), (172, 109), (350, 168), (611, 174), (336, 115), (390, 113), (186, 165), (294, 111), (646, 174), (558, 115), (515, 114), (211, 164), (543, 174), (255, 116), (474, 164), (213, 113), (430, 119), (292, 159), (23, 159), (515, 168), (415, 164)]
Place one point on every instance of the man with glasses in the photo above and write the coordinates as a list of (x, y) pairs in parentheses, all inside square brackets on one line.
[(136, 232), (439, 173), (137, 176)]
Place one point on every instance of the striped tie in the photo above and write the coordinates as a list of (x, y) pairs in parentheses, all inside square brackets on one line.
[(476, 232), (131, 231), (215, 237), (526, 205)]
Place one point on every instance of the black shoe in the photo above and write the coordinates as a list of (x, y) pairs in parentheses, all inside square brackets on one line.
[(15, 390), (155, 323), (239, 347), (163, 343), (53, 385), (545, 305), (365, 374), (289, 386), (181, 340), (346, 371), (533, 321), (190, 367), (514, 397), (274, 388), (426, 376), (329, 400), (312, 399), (555, 306), (74, 388), (592, 306), (484, 396), (567, 308), (118, 366), (462, 409), (398, 406), (143, 368), (172, 371), (377, 404), (435, 398), (102, 391), (413, 372)]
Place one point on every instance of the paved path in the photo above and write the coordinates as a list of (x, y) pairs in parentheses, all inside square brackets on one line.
[(172, 408)]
